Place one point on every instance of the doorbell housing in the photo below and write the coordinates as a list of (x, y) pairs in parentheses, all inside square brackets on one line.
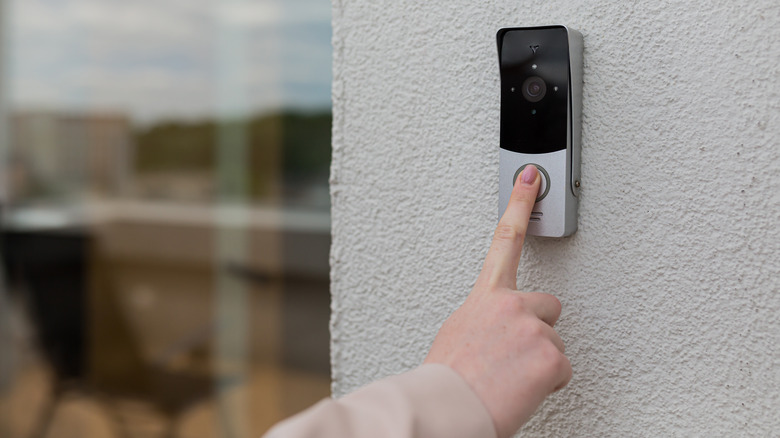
[(541, 119)]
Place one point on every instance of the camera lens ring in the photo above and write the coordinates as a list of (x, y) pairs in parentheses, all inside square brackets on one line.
[(534, 88)]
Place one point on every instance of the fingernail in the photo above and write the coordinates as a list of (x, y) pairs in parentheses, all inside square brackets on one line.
[(529, 174)]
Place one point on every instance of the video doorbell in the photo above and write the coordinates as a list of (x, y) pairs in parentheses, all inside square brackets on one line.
[(541, 118)]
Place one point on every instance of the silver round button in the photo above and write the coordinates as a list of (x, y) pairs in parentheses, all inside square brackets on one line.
[(544, 187)]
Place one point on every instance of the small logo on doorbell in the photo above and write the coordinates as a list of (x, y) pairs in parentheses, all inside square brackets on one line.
[(534, 47)]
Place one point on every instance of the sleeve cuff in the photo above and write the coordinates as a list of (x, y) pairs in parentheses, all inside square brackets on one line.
[(439, 401), (432, 401)]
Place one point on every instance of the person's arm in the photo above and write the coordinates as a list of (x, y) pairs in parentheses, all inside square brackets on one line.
[(493, 362)]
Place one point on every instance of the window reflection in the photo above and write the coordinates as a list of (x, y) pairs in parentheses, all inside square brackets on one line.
[(165, 215)]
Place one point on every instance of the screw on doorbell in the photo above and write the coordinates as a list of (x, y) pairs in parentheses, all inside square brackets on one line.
[(541, 124)]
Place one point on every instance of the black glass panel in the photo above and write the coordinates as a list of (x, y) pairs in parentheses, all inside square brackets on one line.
[(534, 89)]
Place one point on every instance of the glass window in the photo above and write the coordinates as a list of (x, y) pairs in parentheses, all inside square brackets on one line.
[(164, 215)]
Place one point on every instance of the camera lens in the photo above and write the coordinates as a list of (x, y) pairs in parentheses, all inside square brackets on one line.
[(534, 89)]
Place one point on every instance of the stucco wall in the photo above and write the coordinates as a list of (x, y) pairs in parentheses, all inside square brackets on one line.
[(671, 286)]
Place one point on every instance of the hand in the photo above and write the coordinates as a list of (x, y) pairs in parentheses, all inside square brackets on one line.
[(501, 341)]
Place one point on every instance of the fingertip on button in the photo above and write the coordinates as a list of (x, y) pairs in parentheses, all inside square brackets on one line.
[(528, 176), (544, 187)]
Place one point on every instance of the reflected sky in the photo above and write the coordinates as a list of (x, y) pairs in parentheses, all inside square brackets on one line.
[(160, 59)]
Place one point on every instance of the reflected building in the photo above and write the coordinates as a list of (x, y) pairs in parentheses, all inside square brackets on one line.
[(56, 154)]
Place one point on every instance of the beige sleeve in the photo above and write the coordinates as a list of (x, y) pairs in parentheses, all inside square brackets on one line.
[(431, 401)]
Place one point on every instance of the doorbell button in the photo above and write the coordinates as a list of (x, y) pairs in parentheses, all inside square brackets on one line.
[(544, 187)]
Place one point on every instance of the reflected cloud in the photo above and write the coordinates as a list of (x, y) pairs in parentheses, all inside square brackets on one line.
[(161, 59), (243, 13)]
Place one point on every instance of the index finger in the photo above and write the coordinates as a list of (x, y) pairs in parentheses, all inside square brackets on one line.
[(501, 263)]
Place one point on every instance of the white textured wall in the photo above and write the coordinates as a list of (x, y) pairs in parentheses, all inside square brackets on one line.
[(671, 286)]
